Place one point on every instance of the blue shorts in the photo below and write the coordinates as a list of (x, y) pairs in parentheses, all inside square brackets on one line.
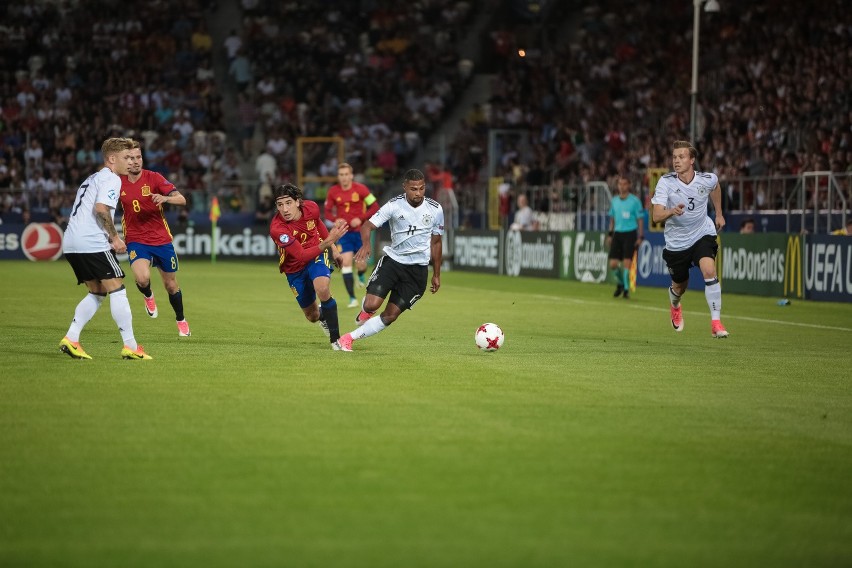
[(302, 282), (350, 242), (163, 257)]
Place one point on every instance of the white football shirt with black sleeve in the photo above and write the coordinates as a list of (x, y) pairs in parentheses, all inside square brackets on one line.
[(681, 232), (411, 228), (84, 234)]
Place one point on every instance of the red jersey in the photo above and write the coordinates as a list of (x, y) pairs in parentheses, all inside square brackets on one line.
[(143, 221), (347, 204), (298, 241)]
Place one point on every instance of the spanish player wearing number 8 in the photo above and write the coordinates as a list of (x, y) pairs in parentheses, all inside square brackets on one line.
[(149, 241)]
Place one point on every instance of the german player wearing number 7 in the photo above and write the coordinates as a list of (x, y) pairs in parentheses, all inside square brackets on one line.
[(680, 199), (149, 240), (90, 244)]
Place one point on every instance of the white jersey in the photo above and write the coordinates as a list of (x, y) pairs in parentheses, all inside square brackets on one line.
[(84, 234), (683, 231), (411, 228)]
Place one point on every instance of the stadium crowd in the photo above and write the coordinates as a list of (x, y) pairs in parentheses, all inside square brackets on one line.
[(381, 79), (607, 98), (774, 95), (72, 74)]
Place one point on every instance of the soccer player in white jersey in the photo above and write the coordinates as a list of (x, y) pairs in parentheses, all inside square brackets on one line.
[(416, 224), (680, 199), (90, 244)]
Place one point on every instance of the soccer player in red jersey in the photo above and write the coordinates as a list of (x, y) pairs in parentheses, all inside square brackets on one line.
[(304, 243), (352, 202), (149, 241)]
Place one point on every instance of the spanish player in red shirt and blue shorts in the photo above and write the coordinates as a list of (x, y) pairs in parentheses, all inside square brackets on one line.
[(306, 251), (354, 203), (146, 231)]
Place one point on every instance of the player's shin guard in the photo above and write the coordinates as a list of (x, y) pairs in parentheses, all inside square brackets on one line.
[(372, 327), (348, 280), (673, 298), (329, 315), (146, 290), (123, 317), (176, 300), (85, 311), (713, 293)]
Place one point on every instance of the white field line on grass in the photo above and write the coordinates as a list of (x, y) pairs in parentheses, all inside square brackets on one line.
[(727, 317)]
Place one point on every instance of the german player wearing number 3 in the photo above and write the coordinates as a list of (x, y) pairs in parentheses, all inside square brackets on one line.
[(90, 244), (680, 200)]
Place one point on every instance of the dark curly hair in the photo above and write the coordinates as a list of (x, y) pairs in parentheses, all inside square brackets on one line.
[(288, 190)]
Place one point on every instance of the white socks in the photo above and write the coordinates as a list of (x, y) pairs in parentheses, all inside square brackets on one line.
[(85, 311), (121, 314), (713, 293), (673, 298), (373, 326)]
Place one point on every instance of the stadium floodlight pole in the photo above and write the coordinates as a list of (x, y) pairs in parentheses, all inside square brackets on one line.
[(712, 6)]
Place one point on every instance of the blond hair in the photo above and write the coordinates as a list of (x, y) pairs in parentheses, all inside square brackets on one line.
[(115, 145), (345, 165)]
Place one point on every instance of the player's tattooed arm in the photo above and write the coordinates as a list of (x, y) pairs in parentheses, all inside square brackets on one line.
[(103, 215), (105, 221)]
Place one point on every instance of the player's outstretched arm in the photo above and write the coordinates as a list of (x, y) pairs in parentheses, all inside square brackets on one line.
[(337, 230), (173, 198)]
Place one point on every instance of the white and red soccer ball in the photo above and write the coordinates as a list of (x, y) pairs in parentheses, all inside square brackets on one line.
[(489, 337)]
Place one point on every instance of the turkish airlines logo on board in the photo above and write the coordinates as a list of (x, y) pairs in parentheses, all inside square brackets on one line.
[(42, 241)]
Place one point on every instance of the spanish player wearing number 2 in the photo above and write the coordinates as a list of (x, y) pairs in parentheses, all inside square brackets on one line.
[(303, 256), (149, 241)]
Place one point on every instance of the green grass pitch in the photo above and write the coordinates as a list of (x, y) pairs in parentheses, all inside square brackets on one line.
[(597, 436)]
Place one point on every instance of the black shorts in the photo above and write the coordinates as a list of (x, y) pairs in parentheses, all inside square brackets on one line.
[(680, 261), (406, 283), (623, 245), (94, 265)]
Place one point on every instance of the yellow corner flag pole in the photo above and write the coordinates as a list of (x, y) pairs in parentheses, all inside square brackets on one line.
[(215, 213)]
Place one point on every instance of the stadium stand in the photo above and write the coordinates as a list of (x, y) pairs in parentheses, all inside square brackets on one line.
[(601, 89), (612, 94)]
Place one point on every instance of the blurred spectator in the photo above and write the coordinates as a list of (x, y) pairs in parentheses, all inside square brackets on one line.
[(240, 70), (248, 120), (264, 210), (524, 216)]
